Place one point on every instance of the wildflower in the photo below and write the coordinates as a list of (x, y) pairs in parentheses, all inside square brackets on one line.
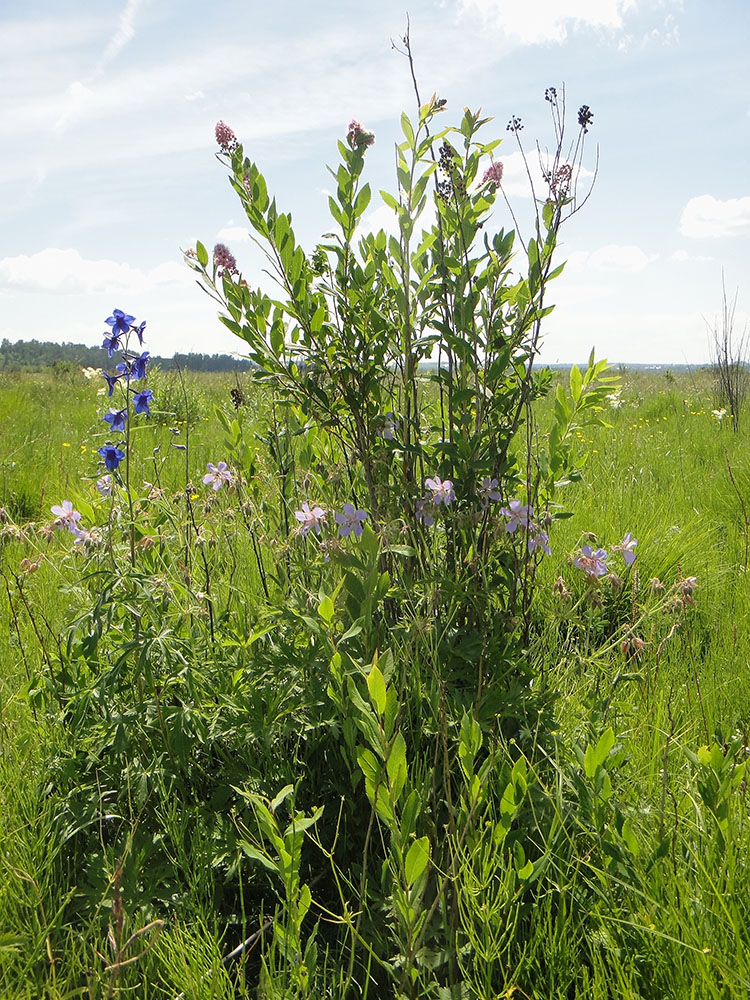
[(89, 373), (519, 515), (141, 400), (120, 323), (559, 589), (687, 586), (138, 369), (423, 513), (442, 491), (358, 137), (116, 419), (493, 174), (112, 455), (65, 515), (217, 474), (538, 539), (626, 547), (225, 137), (592, 563), (613, 398), (719, 414), (112, 344), (390, 426), (224, 259), (351, 520), (87, 538), (308, 519), (104, 486), (139, 332), (112, 381), (488, 491)]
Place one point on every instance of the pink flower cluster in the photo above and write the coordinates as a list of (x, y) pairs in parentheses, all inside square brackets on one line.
[(359, 137), (493, 174), (224, 259), (225, 138)]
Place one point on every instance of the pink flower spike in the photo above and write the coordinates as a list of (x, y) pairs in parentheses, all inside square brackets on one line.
[(217, 475), (493, 174)]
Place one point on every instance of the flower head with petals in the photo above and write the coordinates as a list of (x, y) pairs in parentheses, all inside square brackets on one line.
[(310, 518), (626, 547), (350, 521), (592, 563), (65, 516), (120, 322), (112, 455), (116, 419), (441, 489), (519, 515), (217, 475)]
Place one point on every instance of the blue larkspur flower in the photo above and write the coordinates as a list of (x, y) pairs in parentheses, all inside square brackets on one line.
[(138, 369), (139, 330), (120, 322), (112, 455), (112, 344), (112, 381), (141, 400), (116, 419)]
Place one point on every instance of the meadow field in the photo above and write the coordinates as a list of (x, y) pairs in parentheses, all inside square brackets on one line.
[(217, 727)]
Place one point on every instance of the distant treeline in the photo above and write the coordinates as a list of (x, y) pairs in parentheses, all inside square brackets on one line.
[(35, 355)]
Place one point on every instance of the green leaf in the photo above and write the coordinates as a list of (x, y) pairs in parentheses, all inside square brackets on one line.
[(576, 383), (396, 766), (326, 609), (201, 253), (376, 687), (595, 756), (417, 858)]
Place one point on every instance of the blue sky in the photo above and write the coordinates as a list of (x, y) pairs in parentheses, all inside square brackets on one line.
[(107, 151)]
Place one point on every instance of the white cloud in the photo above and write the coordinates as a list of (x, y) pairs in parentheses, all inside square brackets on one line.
[(683, 255), (611, 258), (708, 217), (66, 272), (534, 21), (233, 234), (124, 33)]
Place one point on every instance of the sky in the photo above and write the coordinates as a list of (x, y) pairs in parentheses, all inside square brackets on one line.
[(107, 165)]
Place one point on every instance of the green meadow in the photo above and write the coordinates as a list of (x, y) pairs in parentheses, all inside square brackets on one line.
[(181, 754)]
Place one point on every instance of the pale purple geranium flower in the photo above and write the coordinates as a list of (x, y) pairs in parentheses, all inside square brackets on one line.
[(519, 515), (442, 491), (539, 539), (104, 485), (65, 516), (488, 491), (626, 547), (390, 426), (423, 512), (308, 518), (217, 475), (592, 563), (351, 520)]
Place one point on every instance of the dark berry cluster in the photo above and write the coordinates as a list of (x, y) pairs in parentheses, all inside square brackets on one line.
[(454, 182), (550, 94), (237, 396), (514, 125), (585, 117)]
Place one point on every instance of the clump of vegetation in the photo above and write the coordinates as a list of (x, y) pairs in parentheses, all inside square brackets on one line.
[(363, 690)]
